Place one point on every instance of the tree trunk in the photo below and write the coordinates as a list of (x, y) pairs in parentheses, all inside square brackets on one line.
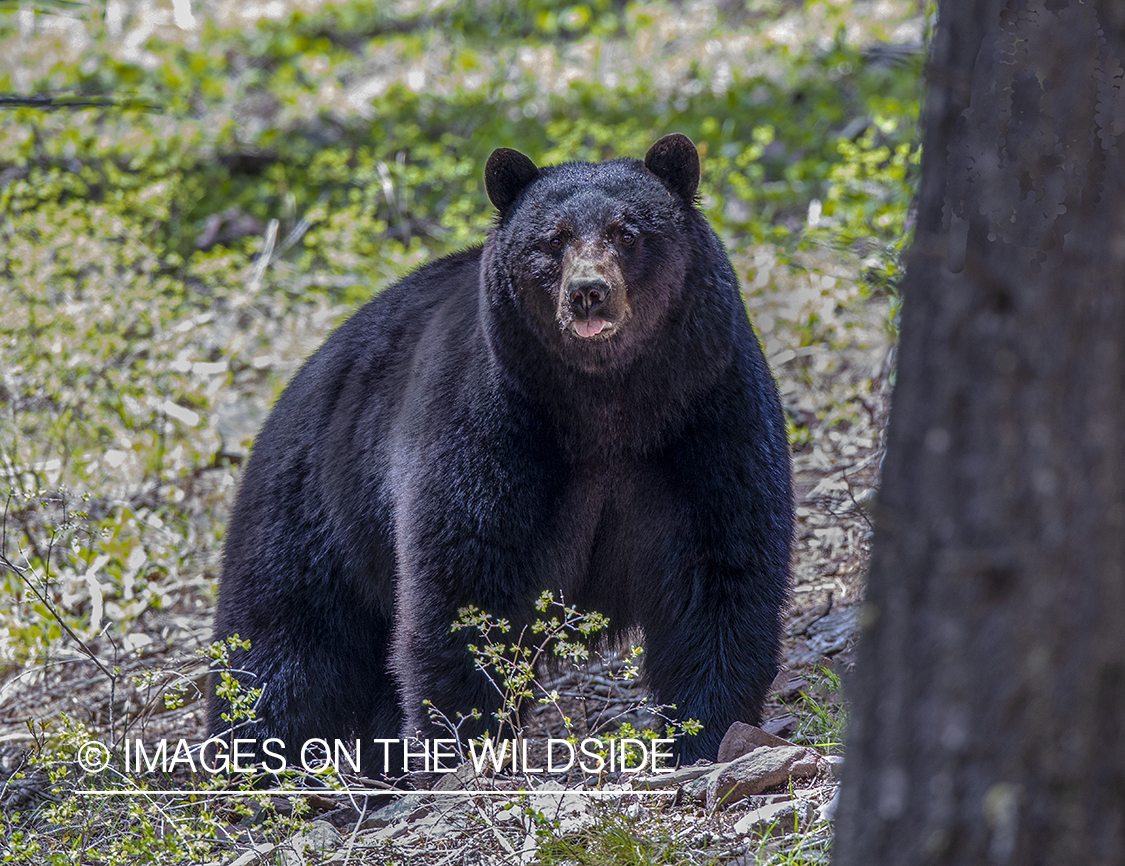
[(988, 721)]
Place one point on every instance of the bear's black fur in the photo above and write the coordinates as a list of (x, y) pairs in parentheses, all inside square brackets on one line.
[(581, 406)]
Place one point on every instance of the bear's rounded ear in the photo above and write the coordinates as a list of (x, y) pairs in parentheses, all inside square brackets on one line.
[(675, 161), (506, 174)]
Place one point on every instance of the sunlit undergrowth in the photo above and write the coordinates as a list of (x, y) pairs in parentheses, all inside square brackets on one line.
[(363, 131), (216, 196), (373, 130)]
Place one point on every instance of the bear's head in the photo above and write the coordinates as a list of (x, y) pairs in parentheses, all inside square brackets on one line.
[(592, 256)]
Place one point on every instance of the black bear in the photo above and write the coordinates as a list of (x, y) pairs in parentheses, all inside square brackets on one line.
[(581, 406)]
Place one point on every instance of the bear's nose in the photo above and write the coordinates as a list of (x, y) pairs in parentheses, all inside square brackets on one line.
[(587, 295)]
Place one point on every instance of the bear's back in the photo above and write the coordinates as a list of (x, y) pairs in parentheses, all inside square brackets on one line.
[(343, 401)]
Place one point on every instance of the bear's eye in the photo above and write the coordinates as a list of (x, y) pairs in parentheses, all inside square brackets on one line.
[(555, 243), (628, 238)]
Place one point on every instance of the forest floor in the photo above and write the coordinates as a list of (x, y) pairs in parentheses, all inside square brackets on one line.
[(829, 343)]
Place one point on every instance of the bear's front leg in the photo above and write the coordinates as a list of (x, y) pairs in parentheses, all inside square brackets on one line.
[(713, 640), (471, 514), (440, 683), (713, 656)]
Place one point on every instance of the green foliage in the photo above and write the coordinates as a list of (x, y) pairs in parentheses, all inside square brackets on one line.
[(128, 235), (67, 574), (122, 815), (406, 166), (69, 826), (241, 701), (615, 840), (868, 198), (166, 211), (529, 21), (513, 664), (821, 720)]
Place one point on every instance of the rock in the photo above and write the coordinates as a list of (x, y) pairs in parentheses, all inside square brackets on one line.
[(255, 855), (695, 791), (408, 807), (570, 808), (464, 778), (343, 817), (373, 837), (835, 765), (800, 655), (867, 501), (761, 769), (834, 632), (783, 817), (444, 817), (674, 779), (321, 836), (828, 811), (741, 739), (783, 727), (635, 811), (440, 826), (319, 803), (320, 839)]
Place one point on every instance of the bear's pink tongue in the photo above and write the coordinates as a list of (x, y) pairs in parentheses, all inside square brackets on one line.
[(590, 328)]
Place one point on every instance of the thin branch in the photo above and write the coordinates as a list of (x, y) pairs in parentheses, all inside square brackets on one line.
[(59, 103)]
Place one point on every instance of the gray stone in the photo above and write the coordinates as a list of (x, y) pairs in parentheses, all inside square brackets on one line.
[(834, 632), (512, 813), (776, 818), (237, 422), (761, 769), (464, 778), (695, 791), (784, 727), (828, 811), (255, 855), (674, 779), (570, 808), (405, 808), (320, 838)]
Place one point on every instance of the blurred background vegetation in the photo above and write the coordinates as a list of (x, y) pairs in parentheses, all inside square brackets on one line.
[(193, 193), (181, 178)]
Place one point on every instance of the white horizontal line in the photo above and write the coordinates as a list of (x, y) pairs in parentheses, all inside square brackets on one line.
[(369, 792)]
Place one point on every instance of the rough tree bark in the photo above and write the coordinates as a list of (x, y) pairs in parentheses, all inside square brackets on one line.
[(988, 720)]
